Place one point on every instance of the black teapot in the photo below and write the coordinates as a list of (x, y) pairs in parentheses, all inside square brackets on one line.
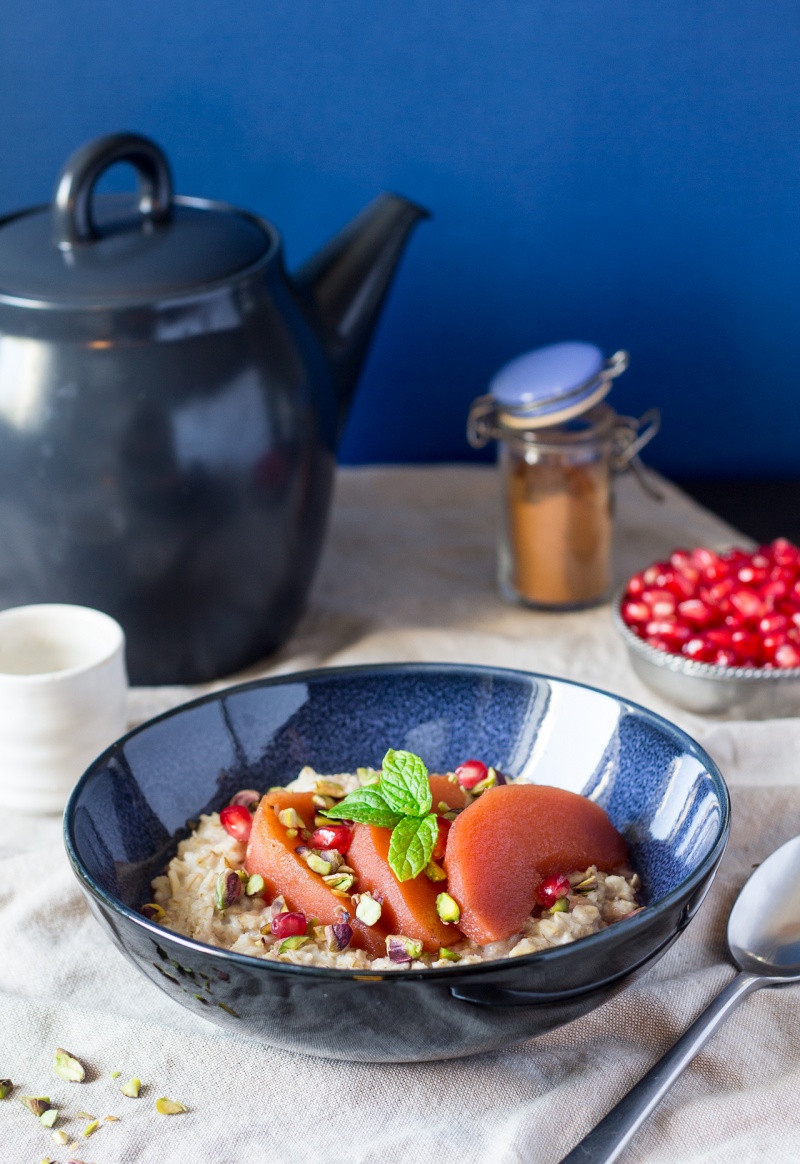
[(170, 404)]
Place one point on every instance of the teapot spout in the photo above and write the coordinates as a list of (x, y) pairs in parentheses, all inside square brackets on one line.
[(346, 282)]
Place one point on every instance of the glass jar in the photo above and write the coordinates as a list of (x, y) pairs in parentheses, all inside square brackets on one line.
[(556, 486)]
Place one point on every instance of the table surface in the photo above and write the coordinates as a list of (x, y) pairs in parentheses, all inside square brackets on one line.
[(408, 575)]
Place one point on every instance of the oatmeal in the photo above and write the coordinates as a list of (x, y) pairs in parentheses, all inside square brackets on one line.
[(205, 894)]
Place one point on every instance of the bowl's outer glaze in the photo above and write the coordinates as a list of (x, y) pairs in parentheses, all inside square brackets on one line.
[(132, 806)]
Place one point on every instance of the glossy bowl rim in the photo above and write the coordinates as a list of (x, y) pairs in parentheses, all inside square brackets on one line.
[(553, 956), (691, 668)]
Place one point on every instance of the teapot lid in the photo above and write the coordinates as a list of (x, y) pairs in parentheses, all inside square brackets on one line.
[(110, 249)]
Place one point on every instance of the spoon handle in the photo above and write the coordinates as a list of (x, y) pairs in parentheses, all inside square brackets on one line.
[(605, 1142)]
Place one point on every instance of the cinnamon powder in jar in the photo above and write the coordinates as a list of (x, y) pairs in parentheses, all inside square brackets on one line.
[(559, 530)]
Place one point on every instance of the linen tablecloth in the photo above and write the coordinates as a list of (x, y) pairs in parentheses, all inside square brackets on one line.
[(408, 574)]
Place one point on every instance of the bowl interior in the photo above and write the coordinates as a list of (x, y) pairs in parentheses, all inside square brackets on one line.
[(137, 800)]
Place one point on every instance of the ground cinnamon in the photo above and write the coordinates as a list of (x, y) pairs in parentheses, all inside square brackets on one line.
[(559, 530)]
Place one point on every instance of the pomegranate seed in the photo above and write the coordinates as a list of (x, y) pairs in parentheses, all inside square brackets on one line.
[(747, 646), (725, 659), (237, 821), (748, 604), (288, 925), (771, 643), (703, 558), (336, 837), (696, 612), (787, 655), (760, 560), (655, 575), (661, 602), (551, 889), (441, 839), (772, 592), (636, 585), (698, 648), (635, 612), (751, 576), (783, 553), (471, 772), (771, 623), (721, 639)]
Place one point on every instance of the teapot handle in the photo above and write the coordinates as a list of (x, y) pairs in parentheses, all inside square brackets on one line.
[(73, 221)]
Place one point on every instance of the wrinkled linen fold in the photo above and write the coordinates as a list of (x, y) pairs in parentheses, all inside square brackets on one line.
[(408, 575)]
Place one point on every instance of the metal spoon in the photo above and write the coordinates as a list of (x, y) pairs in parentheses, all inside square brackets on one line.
[(764, 942)]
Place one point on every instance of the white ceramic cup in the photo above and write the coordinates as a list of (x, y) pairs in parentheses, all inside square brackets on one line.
[(63, 690)]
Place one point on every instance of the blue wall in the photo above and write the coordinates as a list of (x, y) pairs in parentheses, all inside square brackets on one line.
[(624, 171)]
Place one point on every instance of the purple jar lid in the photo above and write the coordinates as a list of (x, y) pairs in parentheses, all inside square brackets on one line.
[(553, 383)]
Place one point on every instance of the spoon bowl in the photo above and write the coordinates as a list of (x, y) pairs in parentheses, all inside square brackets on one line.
[(764, 926)]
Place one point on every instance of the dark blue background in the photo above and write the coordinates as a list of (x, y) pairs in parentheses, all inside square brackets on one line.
[(623, 171)]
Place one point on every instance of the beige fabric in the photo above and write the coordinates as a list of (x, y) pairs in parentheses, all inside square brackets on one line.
[(408, 573)]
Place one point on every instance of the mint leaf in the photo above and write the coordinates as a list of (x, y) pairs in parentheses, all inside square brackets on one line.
[(411, 845), (404, 783), (367, 806)]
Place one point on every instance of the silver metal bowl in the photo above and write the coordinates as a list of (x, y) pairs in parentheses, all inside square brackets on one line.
[(733, 692)]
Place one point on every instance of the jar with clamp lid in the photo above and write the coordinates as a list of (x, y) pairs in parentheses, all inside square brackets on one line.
[(560, 445)]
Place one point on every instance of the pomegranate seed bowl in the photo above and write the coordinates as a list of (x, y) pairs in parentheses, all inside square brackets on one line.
[(718, 633), (144, 797)]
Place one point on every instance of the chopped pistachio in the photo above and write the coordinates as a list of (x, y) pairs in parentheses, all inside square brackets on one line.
[(67, 1067), (91, 1128), (446, 955), (322, 801), (61, 1137), (153, 911), (448, 909), (320, 822), (434, 871), (368, 910), (5, 1088), (293, 943), (368, 776), (169, 1106), (587, 885), (442, 807), (38, 1104), (292, 833), (402, 949), (132, 1088), (85, 1115), (49, 1117), (340, 881), (255, 885), (315, 862), (228, 890), (291, 819), (329, 788), (561, 905), (115, 1074), (488, 782), (334, 859), (338, 937)]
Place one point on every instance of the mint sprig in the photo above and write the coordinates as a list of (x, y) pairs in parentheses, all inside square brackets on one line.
[(401, 801), (411, 845)]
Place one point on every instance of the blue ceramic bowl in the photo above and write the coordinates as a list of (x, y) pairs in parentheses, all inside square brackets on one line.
[(130, 809)]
